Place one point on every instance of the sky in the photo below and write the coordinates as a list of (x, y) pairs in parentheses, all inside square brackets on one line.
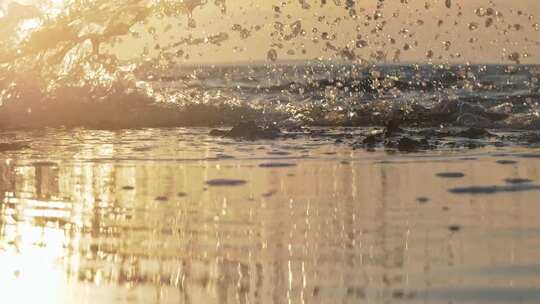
[(494, 31), (411, 33)]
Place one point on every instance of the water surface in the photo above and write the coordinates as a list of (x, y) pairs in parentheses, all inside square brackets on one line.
[(129, 217)]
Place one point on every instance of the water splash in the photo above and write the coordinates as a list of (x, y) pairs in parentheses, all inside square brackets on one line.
[(65, 63)]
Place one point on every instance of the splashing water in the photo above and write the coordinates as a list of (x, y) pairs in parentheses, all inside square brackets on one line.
[(136, 63)]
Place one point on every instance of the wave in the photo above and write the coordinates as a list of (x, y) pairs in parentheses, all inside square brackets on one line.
[(497, 97), (55, 70)]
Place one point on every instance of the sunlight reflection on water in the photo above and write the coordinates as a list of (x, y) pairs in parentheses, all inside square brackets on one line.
[(110, 223)]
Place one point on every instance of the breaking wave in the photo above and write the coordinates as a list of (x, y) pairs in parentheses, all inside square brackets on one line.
[(60, 66)]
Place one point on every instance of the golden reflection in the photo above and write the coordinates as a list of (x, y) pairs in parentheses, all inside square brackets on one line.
[(97, 226), (29, 25)]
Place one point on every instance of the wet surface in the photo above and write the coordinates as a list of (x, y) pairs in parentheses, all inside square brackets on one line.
[(87, 218)]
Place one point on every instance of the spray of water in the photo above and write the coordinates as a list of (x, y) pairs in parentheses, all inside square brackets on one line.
[(126, 63)]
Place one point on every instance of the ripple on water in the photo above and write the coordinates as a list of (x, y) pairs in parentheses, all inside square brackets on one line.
[(423, 200), (224, 182), (479, 190), (281, 153), (506, 162), (269, 193), (451, 175), (454, 228), (44, 164), (530, 155), (277, 165), (518, 181), (224, 156), (142, 149)]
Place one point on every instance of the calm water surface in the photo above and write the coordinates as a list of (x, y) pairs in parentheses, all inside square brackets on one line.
[(175, 216)]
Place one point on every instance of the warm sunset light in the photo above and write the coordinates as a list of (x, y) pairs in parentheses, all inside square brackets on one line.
[(250, 151)]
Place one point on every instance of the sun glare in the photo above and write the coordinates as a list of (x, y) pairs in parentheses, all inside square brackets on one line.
[(30, 24)]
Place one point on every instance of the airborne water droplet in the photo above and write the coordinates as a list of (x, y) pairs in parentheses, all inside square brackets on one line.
[(272, 55)]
